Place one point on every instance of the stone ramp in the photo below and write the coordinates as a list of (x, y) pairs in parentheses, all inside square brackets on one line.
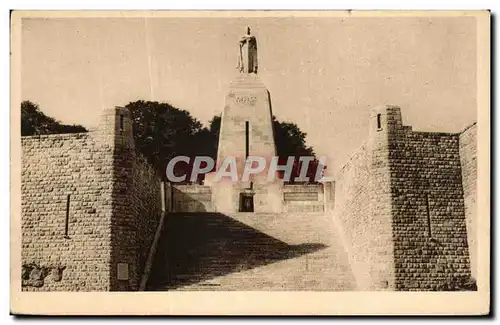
[(245, 251), (292, 228), (322, 270)]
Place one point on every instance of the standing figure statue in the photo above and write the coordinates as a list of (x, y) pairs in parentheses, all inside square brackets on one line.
[(247, 60)]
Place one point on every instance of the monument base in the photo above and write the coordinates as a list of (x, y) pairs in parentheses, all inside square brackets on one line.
[(246, 131), (226, 195)]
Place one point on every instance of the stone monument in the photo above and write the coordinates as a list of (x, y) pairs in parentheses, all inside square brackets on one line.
[(247, 130)]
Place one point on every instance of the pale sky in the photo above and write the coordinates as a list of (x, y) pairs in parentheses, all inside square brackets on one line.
[(325, 74)]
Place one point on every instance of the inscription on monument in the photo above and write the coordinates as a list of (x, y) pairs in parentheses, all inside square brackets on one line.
[(246, 100)]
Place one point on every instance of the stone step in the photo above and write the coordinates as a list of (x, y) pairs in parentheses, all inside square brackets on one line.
[(324, 270), (292, 228), (246, 251)]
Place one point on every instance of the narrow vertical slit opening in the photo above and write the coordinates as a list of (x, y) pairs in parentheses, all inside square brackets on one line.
[(429, 221), (379, 121), (66, 223), (247, 140), (121, 122)]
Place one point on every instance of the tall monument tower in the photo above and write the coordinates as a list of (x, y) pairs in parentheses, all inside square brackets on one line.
[(247, 130)]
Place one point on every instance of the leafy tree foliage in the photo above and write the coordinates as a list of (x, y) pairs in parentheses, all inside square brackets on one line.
[(35, 122), (291, 142), (162, 132), (214, 128)]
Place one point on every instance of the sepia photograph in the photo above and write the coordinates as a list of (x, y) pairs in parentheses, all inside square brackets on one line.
[(238, 154)]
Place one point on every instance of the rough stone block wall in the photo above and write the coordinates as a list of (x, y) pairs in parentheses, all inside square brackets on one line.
[(429, 229), (114, 208), (136, 203), (191, 198), (54, 167), (400, 206), (147, 206), (124, 241), (468, 151), (362, 232)]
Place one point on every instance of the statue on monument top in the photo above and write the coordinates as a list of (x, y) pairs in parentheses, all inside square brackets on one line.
[(247, 60)]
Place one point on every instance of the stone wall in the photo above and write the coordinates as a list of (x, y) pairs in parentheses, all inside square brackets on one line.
[(363, 231), (352, 212), (136, 200), (191, 198), (400, 208), (53, 168), (114, 207), (430, 236), (147, 206), (295, 198), (468, 148), (303, 198)]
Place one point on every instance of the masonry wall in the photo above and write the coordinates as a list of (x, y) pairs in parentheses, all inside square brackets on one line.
[(362, 219), (468, 161), (430, 236), (303, 198), (136, 202), (191, 198), (381, 242), (147, 207), (296, 198), (115, 206), (363, 207), (400, 206), (54, 167), (351, 210)]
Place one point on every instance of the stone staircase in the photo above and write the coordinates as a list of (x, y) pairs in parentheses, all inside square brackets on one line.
[(247, 251)]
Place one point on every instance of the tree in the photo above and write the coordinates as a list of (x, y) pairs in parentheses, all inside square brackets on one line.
[(35, 122), (214, 128), (291, 142), (162, 132)]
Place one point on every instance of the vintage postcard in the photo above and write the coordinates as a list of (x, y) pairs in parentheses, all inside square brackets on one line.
[(250, 163)]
